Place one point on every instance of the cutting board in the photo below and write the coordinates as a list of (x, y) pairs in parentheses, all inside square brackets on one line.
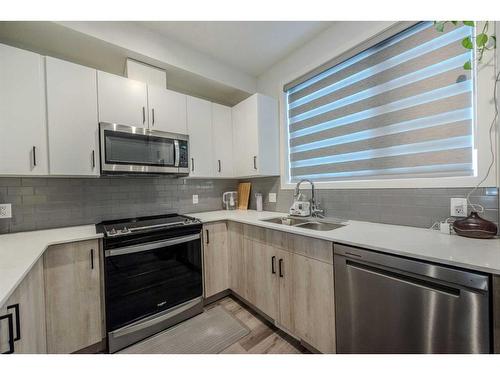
[(243, 195)]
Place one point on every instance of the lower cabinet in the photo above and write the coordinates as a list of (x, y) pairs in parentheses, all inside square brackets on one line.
[(215, 258), (73, 296), (237, 248), (26, 309)]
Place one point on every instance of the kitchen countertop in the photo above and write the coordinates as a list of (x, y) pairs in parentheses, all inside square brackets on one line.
[(20, 251), (419, 243)]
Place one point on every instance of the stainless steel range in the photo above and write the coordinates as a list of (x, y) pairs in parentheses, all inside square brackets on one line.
[(153, 275)]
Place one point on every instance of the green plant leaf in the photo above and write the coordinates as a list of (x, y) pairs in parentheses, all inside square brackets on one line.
[(467, 43), (454, 22), (468, 65), (468, 23), (481, 39), (494, 41), (440, 26)]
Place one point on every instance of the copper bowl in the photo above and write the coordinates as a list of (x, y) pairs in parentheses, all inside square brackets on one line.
[(474, 226)]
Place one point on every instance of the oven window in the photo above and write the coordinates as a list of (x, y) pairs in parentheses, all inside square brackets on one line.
[(125, 148), (145, 283)]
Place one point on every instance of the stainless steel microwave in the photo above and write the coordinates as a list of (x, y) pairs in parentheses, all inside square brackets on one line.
[(133, 150)]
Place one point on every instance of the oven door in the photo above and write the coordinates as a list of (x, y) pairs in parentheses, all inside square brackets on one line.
[(145, 279), (127, 149)]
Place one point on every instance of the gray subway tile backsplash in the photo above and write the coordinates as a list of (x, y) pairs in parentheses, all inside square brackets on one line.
[(40, 203)]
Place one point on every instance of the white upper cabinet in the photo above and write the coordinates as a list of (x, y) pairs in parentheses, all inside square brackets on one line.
[(222, 129), (256, 137), (167, 110), (122, 101), (199, 123), (23, 139), (72, 118)]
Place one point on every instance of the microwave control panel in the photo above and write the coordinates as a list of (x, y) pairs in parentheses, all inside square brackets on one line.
[(183, 154)]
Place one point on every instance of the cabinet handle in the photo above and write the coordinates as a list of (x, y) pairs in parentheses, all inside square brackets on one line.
[(153, 115), (18, 321), (219, 165), (255, 162), (273, 264), (34, 156), (192, 164), (208, 236), (143, 115), (91, 259), (11, 332), (93, 159), (280, 264)]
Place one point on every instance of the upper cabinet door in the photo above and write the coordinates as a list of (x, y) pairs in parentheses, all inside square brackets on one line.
[(199, 121), (122, 101), (72, 118), (23, 137), (167, 110), (222, 140)]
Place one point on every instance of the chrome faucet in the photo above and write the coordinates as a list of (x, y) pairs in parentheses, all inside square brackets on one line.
[(315, 210)]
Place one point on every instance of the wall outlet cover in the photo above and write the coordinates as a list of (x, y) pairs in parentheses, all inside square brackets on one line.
[(5, 211), (272, 197), (195, 198), (458, 207)]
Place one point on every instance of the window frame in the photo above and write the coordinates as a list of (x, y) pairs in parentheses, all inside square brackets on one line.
[(484, 111)]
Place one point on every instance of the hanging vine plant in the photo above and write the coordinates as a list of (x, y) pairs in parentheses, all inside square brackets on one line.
[(482, 42)]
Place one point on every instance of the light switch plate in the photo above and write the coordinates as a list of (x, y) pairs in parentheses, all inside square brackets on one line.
[(5, 211), (272, 197), (458, 207), (195, 198)]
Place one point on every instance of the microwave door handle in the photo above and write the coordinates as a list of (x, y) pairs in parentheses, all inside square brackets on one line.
[(176, 153)]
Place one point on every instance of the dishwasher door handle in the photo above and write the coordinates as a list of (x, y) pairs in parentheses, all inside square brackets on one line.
[(405, 278)]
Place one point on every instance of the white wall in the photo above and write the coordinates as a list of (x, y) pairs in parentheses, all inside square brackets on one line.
[(131, 36), (338, 38)]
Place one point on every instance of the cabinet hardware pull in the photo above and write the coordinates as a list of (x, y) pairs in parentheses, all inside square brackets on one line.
[(153, 114), (93, 159), (18, 321), (11, 332), (219, 165), (143, 115), (34, 156), (91, 259), (208, 236), (280, 264), (192, 164), (273, 264), (255, 162)]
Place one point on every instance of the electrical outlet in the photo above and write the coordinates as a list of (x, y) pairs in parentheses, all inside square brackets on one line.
[(458, 207), (5, 211), (272, 197), (195, 198)]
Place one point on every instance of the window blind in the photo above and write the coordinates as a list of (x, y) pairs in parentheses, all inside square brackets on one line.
[(402, 108)]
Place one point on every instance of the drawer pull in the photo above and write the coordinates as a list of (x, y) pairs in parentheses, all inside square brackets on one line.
[(280, 264), (273, 264), (18, 321), (11, 332)]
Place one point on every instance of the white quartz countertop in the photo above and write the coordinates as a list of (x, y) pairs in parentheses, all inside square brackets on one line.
[(20, 251), (419, 243)]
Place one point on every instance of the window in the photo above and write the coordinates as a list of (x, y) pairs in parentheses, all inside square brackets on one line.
[(403, 108)]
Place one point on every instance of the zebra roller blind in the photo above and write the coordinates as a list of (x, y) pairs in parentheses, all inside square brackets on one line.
[(399, 109)]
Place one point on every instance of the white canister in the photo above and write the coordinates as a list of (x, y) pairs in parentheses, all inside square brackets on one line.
[(258, 199)]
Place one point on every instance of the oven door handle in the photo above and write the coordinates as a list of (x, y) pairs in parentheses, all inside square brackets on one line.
[(151, 245)]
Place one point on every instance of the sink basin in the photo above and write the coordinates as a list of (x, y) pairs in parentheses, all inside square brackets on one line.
[(309, 223)]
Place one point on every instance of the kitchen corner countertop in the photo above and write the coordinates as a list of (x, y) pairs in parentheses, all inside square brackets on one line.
[(20, 251), (418, 243)]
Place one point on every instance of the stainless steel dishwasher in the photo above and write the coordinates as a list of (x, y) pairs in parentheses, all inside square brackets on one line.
[(391, 304)]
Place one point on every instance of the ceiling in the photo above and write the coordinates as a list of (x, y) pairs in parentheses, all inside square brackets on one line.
[(250, 46)]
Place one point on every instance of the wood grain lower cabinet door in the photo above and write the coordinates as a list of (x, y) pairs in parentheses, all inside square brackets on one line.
[(261, 267), (73, 296), (285, 279), (28, 299), (313, 303), (237, 248), (216, 258)]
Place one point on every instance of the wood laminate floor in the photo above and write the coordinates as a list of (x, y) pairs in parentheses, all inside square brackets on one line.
[(263, 338)]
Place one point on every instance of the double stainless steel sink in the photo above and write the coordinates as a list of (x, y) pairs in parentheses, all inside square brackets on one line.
[(306, 223)]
